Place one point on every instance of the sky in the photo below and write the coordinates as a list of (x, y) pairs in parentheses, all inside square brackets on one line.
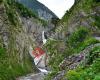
[(59, 7)]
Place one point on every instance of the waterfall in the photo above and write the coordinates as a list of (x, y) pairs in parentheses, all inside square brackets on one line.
[(44, 37)]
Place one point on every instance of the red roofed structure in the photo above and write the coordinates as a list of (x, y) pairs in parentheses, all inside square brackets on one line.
[(38, 52)]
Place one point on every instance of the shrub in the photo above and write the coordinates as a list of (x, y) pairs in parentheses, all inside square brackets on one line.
[(97, 21), (1, 1), (97, 77), (76, 40), (91, 72), (73, 75), (11, 17), (96, 0), (94, 54), (77, 37), (79, 40), (2, 51), (11, 13)]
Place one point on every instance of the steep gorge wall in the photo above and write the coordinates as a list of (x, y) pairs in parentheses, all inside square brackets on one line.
[(16, 39), (82, 14)]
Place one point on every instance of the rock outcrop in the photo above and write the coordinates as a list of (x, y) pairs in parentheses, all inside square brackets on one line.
[(17, 34), (39, 8), (72, 62), (82, 14)]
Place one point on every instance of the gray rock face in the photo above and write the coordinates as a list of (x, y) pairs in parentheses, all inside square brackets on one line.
[(44, 15), (38, 76), (60, 75), (4, 31), (78, 18), (42, 11), (18, 38), (34, 29)]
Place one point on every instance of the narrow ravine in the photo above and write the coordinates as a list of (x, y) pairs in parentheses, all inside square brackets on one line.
[(75, 61), (39, 61)]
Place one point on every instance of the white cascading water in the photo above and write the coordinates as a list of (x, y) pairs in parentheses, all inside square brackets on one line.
[(43, 38), (36, 60)]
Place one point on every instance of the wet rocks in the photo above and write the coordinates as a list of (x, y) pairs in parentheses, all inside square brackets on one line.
[(38, 76), (60, 75)]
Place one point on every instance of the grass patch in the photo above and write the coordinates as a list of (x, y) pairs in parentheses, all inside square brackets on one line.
[(97, 21), (10, 67), (2, 51), (79, 40), (78, 37)]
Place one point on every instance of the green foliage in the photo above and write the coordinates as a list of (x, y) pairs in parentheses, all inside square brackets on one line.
[(73, 75), (50, 46), (7, 73), (10, 68), (79, 40), (11, 13), (97, 77), (87, 73), (44, 23), (87, 42), (55, 56), (97, 21), (10, 2), (96, 0), (11, 71), (11, 17), (78, 37), (95, 53), (1, 1), (2, 51)]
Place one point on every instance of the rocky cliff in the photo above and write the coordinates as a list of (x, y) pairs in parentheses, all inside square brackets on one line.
[(71, 42), (42, 11), (82, 14), (19, 29)]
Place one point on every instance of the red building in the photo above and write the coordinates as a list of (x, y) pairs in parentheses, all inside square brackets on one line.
[(38, 52)]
